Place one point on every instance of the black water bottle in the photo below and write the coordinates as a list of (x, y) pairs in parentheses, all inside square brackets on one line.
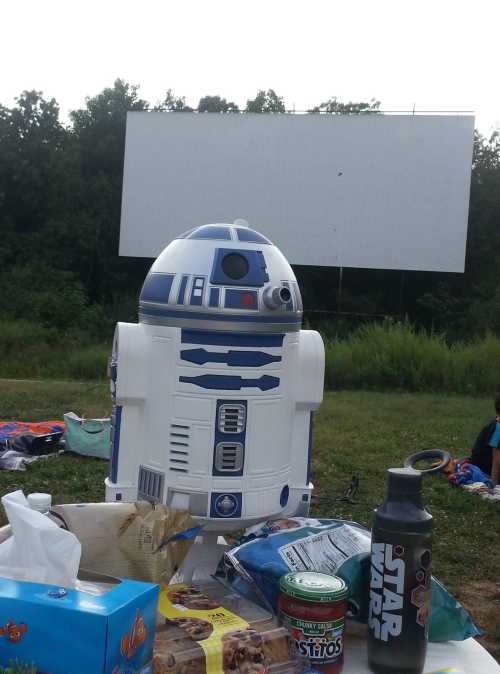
[(400, 577)]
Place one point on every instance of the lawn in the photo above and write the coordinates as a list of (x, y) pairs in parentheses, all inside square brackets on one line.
[(361, 433)]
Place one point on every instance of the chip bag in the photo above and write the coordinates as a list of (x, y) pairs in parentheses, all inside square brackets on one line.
[(337, 547)]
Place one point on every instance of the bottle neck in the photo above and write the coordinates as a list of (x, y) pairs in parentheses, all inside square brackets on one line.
[(411, 499), (403, 509), (404, 514)]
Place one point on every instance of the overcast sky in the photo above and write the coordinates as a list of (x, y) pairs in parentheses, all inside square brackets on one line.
[(436, 55)]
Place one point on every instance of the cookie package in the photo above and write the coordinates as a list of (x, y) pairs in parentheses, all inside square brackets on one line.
[(209, 629)]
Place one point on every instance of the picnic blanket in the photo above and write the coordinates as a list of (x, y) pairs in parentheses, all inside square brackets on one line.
[(484, 492), (22, 442)]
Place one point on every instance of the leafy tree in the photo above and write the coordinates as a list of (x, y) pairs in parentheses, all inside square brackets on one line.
[(33, 147), (483, 241), (172, 103), (60, 201), (100, 132), (216, 104), (43, 294), (335, 107), (30, 138), (469, 304), (100, 127), (484, 214), (266, 101)]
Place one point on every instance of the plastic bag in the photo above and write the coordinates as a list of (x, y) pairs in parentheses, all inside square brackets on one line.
[(131, 540), (331, 546), (38, 550)]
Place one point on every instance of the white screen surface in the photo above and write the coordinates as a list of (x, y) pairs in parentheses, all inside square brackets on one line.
[(372, 191)]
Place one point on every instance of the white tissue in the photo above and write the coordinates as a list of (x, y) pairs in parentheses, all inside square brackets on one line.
[(38, 550)]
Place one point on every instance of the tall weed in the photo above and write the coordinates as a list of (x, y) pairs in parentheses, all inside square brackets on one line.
[(30, 350), (383, 356), (396, 356)]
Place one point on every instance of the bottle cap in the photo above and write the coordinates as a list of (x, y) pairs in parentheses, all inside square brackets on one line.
[(313, 586), (404, 481), (40, 502)]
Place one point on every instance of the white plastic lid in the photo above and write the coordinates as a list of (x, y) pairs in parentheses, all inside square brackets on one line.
[(40, 502)]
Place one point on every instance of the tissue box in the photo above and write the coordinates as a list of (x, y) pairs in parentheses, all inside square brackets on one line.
[(106, 626)]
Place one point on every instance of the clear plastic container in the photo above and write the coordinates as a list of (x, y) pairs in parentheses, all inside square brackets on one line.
[(209, 622)]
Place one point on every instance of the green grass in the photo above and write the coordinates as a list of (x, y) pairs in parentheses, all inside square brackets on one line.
[(391, 356), (69, 478), (364, 433), (361, 433), (33, 351), (41, 400), (396, 356)]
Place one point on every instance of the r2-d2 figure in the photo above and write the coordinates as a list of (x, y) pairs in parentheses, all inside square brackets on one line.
[(214, 389)]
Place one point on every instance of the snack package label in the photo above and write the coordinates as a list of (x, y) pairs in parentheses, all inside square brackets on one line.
[(217, 630), (322, 643), (325, 551)]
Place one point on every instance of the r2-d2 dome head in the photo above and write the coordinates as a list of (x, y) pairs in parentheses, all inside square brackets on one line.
[(215, 387), (222, 277)]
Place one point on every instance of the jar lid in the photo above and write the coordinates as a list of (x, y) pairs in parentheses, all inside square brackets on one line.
[(39, 501), (313, 586)]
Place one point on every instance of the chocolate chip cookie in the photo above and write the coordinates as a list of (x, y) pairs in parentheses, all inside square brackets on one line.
[(192, 599), (194, 627), (243, 652)]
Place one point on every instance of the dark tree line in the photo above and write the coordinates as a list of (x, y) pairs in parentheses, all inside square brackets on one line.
[(60, 198)]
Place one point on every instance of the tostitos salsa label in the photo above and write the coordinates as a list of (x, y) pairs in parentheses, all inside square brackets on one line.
[(322, 643)]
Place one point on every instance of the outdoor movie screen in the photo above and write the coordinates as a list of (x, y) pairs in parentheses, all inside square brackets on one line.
[(368, 191)]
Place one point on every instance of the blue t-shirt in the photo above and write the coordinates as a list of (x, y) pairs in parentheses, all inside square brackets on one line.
[(482, 454)]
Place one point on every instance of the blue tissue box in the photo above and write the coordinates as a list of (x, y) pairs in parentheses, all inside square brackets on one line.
[(45, 630)]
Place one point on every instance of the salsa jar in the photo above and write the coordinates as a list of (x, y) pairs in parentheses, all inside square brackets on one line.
[(312, 606)]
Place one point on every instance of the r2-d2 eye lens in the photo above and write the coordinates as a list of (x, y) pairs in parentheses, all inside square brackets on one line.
[(234, 266), (285, 295)]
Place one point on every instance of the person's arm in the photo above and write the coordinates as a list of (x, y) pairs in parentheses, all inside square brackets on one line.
[(495, 465), (481, 442)]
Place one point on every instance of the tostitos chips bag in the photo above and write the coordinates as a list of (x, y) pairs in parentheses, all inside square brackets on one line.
[(337, 547)]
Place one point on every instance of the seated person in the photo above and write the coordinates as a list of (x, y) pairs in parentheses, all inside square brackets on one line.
[(486, 451)]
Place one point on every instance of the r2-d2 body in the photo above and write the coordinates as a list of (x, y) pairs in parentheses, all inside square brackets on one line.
[(214, 389)]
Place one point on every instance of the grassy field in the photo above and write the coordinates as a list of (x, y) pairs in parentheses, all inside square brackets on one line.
[(360, 433), (380, 356)]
